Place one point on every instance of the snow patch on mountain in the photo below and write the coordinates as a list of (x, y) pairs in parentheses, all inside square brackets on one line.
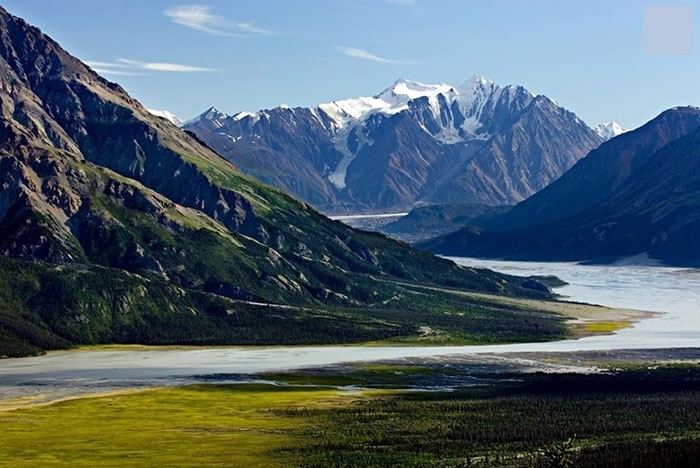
[(402, 89), (351, 111), (337, 177), (608, 130)]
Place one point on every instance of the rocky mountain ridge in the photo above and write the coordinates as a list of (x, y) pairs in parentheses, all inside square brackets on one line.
[(412, 143)]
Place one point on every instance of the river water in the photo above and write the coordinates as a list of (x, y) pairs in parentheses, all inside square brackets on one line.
[(674, 291)]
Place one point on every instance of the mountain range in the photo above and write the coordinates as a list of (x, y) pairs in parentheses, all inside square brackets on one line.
[(117, 226), (638, 193), (411, 144)]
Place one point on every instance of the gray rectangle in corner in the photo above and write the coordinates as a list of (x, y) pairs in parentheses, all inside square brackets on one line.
[(668, 30)]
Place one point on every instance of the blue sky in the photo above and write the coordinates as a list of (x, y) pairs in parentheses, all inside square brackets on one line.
[(588, 55)]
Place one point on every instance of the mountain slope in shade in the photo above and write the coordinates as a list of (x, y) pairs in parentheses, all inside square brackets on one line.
[(430, 221), (120, 227), (411, 143), (602, 171), (653, 211)]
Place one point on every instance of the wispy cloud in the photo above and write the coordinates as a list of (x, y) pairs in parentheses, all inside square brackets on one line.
[(93, 64), (163, 66), (251, 28), (128, 67), (366, 55), (107, 71), (112, 68), (198, 17), (202, 18)]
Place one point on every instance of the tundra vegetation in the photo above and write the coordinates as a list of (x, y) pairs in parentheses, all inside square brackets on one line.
[(637, 417)]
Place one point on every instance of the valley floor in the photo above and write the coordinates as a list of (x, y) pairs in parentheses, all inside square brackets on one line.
[(95, 370), (630, 408), (592, 400)]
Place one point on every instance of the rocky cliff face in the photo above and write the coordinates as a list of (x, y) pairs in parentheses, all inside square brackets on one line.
[(411, 143)]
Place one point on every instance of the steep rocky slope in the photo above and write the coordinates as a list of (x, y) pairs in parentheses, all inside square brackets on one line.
[(123, 228)]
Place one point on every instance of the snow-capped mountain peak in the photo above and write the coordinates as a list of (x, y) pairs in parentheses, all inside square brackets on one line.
[(243, 115), (411, 142), (212, 114), (167, 115), (469, 115), (452, 115), (608, 130), (476, 81), (405, 89), (396, 98)]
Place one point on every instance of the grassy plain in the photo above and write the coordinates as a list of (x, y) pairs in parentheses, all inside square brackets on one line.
[(198, 425), (307, 420)]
